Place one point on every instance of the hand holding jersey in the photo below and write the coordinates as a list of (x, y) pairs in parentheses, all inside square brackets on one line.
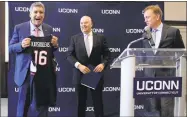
[(26, 42), (42, 63), (37, 89)]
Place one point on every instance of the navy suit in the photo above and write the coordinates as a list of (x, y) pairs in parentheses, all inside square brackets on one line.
[(22, 65), (170, 38)]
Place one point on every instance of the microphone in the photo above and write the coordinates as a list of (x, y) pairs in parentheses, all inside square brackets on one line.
[(148, 35), (147, 31), (139, 39)]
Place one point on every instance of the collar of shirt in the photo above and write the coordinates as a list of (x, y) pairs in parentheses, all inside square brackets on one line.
[(33, 27), (89, 39), (159, 28), (89, 34), (158, 36)]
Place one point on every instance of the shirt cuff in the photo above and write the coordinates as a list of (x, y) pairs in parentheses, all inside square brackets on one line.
[(76, 64)]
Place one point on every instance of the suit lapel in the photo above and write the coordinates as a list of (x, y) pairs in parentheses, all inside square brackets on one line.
[(27, 31), (147, 45), (163, 37), (164, 34), (45, 31), (94, 43), (82, 43)]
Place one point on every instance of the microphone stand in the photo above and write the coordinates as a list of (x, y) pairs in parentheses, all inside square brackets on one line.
[(132, 43)]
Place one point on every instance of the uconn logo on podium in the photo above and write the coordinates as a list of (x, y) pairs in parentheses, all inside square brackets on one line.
[(158, 87)]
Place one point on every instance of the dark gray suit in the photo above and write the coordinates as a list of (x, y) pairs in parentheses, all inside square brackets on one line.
[(100, 54), (170, 38)]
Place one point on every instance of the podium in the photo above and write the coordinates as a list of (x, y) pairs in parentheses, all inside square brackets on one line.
[(147, 58)]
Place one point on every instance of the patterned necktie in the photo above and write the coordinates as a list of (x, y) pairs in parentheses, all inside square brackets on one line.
[(87, 44), (36, 30), (154, 37)]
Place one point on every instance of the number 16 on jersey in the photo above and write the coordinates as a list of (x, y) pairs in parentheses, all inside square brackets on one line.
[(40, 57)]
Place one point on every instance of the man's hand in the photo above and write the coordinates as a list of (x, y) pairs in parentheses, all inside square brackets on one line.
[(99, 68), (26, 42), (54, 41), (83, 69)]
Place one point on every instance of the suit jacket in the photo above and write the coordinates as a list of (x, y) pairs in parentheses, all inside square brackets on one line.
[(170, 38), (23, 56), (77, 53)]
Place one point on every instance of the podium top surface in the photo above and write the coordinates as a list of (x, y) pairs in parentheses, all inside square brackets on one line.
[(149, 57)]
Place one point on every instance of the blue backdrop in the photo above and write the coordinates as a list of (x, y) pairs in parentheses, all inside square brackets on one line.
[(120, 22)]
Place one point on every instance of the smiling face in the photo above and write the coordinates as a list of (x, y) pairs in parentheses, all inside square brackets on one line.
[(37, 15), (86, 24)]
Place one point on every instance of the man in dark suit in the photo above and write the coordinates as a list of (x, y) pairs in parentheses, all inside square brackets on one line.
[(19, 44), (80, 54), (163, 36)]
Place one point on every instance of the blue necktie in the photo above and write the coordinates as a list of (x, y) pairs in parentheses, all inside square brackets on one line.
[(154, 35)]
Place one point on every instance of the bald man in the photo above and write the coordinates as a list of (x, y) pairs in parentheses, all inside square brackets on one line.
[(88, 48)]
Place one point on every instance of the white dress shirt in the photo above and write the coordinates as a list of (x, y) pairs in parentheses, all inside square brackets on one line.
[(90, 38), (158, 36), (32, 30)]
